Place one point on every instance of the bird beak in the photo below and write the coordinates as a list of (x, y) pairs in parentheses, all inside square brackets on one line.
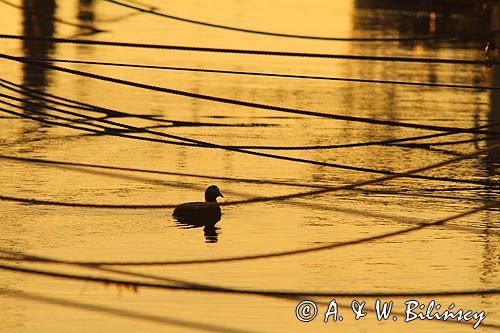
[(220, 194)]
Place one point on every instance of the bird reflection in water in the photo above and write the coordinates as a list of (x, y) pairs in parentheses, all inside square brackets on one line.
[(201, 214)]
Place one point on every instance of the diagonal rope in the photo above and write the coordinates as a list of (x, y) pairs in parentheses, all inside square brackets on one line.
[(263, 199), (257, 147), (24, 257), (76, 167), (88, 107), (312, 205), (279, 75), (166, 320), (136, 284), (250, 52), (73, 104), (242, 103), (420, 226), (287, 253), (250, 152)]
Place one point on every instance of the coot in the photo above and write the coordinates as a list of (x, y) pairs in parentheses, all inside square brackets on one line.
[(200, 213)]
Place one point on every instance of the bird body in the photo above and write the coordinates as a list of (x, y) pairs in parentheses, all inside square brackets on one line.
[(200, 213), (197, 210)]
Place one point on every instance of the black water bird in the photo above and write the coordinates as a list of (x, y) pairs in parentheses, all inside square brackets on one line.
[(200, 213)]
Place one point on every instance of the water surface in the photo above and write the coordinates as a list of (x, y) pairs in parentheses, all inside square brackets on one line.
[(433, 259)]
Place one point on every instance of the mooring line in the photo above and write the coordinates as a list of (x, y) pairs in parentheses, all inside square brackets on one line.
[(263, 74), (250, 152), (244, 103), (251, 52), (265, 199), (89, 107)]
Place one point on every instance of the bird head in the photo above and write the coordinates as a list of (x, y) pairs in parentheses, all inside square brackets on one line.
[(212, 193)]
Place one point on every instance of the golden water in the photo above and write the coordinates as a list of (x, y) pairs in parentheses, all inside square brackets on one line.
[(433, 259)]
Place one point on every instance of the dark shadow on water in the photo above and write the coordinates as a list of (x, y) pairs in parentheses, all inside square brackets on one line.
[(38, 20), (86, 11), (210, 231), (423, 17), (492, 159)]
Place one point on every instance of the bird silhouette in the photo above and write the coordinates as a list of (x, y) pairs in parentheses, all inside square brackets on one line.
[(199, 214)]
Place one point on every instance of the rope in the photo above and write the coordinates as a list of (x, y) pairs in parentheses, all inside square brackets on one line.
[(169, 173), (207, 144), (24, 257), (297, 251), (109, 112), (123, 313), (106, 130), (309, 147), (279, 75), (21, 100), (17, 256), (136, 284), (230, 179), (449, 143), (308, 205), (265, 199), (449, 37), (257, 147), (311, 205), (32, 93), (244, 103), (250, 52)]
